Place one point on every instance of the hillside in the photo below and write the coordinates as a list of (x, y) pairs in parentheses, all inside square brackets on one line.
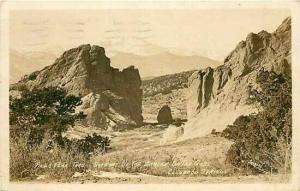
[(168, 89), (217, 96), (165, 84)]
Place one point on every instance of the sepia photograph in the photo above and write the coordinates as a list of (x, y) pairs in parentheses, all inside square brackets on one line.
[(131, 95)]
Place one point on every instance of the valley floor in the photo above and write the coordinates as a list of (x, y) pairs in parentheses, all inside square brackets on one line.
[(137, 156)]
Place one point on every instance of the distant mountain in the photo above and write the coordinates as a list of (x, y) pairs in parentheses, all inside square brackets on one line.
[(26, 63), (162, 63), (156, 63)]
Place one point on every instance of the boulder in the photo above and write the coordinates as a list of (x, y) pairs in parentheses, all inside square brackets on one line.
[(164, 115)]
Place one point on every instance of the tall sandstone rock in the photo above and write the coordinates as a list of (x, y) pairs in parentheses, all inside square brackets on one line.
[(111, 98), (217, 96)]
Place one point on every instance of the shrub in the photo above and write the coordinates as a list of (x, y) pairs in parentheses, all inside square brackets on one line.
[(33, 76), (215, 132), (88, 145), (262, 142), (94, 143)]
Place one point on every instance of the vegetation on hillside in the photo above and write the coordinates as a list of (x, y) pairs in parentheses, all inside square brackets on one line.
[(165, 84), (262, 142)]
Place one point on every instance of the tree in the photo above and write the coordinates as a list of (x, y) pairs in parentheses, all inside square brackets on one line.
[(39, 111), (262, 142)]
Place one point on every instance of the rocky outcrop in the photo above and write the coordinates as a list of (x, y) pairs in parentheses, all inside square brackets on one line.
[(164, 115), (205, 85), (106, 110), (111, 98), (216, 97)]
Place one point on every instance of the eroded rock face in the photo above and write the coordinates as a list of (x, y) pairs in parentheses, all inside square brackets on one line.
[(110, 97), (164, 115), (216, 97), (205, 85), (106, 110)]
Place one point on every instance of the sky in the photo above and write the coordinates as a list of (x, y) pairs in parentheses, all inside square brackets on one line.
[(213, 33)]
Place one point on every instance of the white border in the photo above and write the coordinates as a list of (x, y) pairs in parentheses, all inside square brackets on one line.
[(6, 6)]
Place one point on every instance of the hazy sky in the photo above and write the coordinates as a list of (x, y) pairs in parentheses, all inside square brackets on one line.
[(212, 33)]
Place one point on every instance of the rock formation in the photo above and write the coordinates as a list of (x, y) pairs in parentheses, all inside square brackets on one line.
[(216, 97), (164, 115), (111, 98), (171, 134)]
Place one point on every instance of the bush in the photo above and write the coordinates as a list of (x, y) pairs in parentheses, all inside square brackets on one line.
[(262, 142), (215, 132), (33, 76), (93, 143), (89, 145)]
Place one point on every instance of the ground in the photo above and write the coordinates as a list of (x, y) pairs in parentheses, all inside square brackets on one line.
[(137, 156)]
